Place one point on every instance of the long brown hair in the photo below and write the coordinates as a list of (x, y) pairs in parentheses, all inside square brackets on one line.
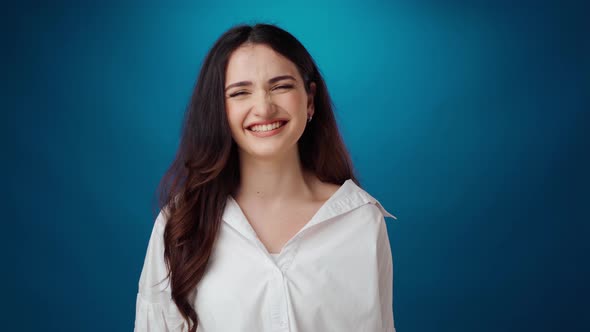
[(205, 170)]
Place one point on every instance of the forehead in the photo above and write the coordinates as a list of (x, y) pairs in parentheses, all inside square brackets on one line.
[(257, 62)]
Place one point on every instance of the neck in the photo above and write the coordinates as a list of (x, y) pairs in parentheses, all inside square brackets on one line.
[(276, 180)]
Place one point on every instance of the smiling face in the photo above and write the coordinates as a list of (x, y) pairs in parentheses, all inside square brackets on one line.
[(262, 86)]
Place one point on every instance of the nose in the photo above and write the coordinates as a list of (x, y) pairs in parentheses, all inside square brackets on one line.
[(263, 104)]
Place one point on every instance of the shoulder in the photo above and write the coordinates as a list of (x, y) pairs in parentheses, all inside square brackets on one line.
[(376, 205), (321, 190), (370, 215), (325, 190), (161, 220)]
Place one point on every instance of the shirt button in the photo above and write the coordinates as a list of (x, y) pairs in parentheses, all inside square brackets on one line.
[(284, 267)]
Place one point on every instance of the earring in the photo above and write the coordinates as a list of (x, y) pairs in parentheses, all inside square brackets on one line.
[(309, 118)]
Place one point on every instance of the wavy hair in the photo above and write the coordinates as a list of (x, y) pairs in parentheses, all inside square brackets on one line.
[(205, 170)]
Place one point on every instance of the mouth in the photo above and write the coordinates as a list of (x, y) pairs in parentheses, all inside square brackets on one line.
[(267, 127)]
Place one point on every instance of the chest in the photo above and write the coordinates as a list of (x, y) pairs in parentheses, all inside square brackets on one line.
[(275, 227), (329, 282)]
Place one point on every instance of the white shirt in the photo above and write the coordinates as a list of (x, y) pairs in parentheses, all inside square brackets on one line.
[(335, 274)]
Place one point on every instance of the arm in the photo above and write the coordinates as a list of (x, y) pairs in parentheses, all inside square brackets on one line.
[(155, 310), (385, 262)]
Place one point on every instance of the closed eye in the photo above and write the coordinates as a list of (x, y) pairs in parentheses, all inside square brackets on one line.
[(285, 87), (282, 87), (239, 93)]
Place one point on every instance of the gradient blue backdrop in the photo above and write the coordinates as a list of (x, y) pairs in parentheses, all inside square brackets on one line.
[(468, 122)]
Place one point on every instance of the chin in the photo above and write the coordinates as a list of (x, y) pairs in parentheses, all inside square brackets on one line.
[(270, 151), (266, 153)]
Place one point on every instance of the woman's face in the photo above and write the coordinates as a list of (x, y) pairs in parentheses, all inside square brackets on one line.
[(262, 86)]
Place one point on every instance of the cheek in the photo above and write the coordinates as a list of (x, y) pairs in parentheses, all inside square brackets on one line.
[(290, 101), (234, 116)]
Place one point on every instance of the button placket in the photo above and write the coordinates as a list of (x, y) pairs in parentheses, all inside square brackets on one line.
[(279, 306), (278, 310)]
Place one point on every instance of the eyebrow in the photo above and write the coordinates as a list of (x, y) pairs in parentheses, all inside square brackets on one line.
[(270, 81)]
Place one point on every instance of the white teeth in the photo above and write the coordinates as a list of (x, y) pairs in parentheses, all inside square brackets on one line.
[(266, 127)]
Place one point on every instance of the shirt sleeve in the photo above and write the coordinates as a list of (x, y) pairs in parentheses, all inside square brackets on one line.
[(155, 310), (385, 262)]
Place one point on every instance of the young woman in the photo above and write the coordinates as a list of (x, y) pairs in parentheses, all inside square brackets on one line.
[(262, 224)]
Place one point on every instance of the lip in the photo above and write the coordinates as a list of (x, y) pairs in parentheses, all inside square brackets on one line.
[(265, 122)]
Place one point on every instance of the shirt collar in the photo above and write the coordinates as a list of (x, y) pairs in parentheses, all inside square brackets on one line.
[(348, 197)]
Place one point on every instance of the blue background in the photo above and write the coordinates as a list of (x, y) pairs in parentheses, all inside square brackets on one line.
[(468, 122)]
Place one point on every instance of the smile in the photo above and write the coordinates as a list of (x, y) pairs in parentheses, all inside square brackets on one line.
[(268, 129)]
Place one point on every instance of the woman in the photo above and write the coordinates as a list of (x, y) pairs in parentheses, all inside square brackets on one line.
[(263, 226)]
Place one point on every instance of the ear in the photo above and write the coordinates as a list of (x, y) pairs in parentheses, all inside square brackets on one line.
[(310, 99)]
